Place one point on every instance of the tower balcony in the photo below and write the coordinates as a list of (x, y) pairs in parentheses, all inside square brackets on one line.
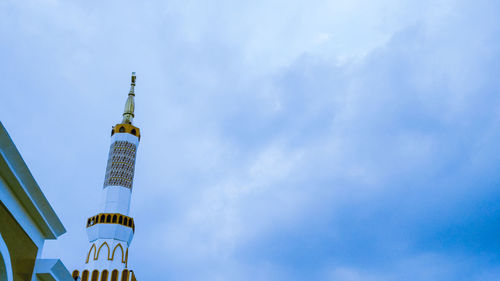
[(111, 226)]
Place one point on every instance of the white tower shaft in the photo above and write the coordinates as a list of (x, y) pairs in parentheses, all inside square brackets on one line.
[(110, 232)]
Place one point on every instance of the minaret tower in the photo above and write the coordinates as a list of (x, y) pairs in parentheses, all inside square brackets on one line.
[(111, 231)]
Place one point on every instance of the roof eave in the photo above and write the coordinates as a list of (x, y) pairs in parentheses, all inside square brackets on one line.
[(15, 171)]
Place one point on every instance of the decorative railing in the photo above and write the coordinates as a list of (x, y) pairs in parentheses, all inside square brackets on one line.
[(111, 219)]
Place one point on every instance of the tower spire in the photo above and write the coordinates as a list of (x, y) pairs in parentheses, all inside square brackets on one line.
[(128, 113)]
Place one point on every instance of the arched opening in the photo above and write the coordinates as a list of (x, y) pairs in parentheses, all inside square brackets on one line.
[(104, 275), (130, 223), (133, 132), (85, 275), (91, 251), (75, 274), (125, 221), (120, 220), (102, 218), (112, 131), (122, 129), (114, 218), (125, 275), (3, 269), (95, 275), (114, 256), (114, 275), (108, 218), (5, 266), (88, 222), (105, 245)]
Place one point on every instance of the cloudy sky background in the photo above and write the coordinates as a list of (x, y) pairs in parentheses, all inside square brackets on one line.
[(281, 140)]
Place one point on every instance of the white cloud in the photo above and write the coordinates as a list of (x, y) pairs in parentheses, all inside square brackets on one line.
[(267, 126)]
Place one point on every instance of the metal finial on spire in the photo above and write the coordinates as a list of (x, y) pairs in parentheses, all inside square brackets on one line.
[(132, 84), (128, 113)]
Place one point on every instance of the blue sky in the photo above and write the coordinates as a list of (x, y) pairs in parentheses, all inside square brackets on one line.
[(281, 140)]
